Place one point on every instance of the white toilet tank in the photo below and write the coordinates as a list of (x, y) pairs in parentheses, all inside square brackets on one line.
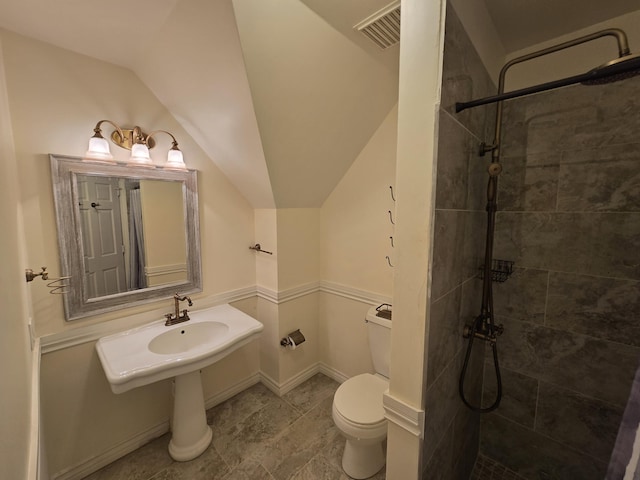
[(379, 330)]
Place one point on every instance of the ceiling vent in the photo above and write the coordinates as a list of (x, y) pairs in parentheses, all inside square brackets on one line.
[(383, 27)]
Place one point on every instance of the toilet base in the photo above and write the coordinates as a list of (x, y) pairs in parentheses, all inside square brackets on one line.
[(362, 461)]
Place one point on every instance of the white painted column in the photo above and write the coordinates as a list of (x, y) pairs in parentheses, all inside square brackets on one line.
[(421, 47)]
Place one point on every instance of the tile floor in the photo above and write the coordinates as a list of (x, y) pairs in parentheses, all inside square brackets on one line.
[(488, 469), (256, 436)]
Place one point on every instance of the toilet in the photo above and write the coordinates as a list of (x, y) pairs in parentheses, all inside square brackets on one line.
[(357, 404)]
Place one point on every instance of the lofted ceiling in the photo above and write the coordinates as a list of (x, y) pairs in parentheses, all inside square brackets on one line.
[(282, 94)]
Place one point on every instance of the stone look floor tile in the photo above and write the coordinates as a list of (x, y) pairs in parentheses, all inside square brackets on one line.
[(208, 466), (241, 406), (311, 392), (249, 470), (299, 443), (319, 469), (248, 437), (257, 436)]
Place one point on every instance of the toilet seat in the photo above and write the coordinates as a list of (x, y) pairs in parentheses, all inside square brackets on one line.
[(359, 400)]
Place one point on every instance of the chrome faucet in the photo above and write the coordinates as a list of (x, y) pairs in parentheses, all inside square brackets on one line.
[(178, 317)]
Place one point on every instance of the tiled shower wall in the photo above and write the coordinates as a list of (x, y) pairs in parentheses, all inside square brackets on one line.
[(569, 202), (452, 430)]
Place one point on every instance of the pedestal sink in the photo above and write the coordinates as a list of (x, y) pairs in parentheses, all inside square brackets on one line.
[(155, 352)]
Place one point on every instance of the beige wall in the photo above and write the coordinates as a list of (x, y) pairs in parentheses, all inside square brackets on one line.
[(298, 247), (61, 95), (355, 226), (15, 357), (354, 240)]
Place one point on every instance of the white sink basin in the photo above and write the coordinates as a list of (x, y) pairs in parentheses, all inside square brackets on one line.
[(154, 352), (190, 336)]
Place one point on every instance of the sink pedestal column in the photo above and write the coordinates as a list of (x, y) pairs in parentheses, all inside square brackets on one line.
[(191, 435)]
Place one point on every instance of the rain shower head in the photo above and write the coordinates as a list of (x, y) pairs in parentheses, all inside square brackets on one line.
[(619, 69), (626, 66)]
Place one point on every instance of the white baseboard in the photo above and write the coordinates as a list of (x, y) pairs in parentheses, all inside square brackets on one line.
[(281, 389), (332, 373), (404, 415), (94, 464)]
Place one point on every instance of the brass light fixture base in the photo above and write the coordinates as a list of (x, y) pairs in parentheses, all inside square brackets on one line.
[(129, 138)]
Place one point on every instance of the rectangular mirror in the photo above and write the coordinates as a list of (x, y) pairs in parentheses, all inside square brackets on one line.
[(127, 235)]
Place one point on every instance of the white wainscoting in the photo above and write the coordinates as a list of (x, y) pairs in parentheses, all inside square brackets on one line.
[(396, 411)]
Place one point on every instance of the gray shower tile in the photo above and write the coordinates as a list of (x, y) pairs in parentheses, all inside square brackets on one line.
[(610, 153), (537, 128), (604, 244), (584, 423), (458, 243), (311, 392), (471, 299), (612, 185), (535, 456), (239, 407), (464, 77), (615, 245), (605, 308), (542, 159), (522, 296), (248, 437), (141, 464), (443, 401), (519, 393), (208, 466), (546, 241), (571, 118), (293, 447), (445, 333), (596, 368), (455, 151), (525, 187), (439, 465), (466, 441)]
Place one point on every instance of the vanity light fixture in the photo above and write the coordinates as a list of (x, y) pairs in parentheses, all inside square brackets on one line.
[(135, 140)]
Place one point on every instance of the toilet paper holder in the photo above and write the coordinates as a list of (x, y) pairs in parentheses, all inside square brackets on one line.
[(293, 339)]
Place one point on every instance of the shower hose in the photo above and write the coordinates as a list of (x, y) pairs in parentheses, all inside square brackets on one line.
[(483, 326)]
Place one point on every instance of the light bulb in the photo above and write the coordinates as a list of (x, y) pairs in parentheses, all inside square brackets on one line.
[(175, 160), (140, 155), (98, 149)]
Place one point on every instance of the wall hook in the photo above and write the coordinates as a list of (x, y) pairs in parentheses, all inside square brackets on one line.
[(392, 245), (389, 261), (392, 196), (257, 248), (391, 218)]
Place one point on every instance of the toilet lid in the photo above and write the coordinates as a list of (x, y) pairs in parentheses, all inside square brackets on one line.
[(359, 399)]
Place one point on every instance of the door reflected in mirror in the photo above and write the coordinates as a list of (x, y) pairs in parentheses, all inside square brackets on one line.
[(127, 235), (133, 233)]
